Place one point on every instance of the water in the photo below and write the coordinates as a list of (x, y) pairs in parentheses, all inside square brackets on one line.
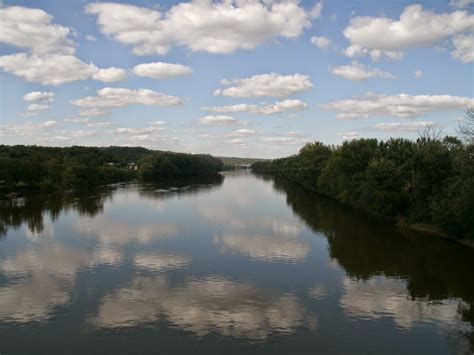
[(224, 265)]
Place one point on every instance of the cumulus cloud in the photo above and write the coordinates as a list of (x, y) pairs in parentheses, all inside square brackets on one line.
[(119, 97), (138, 131), (42, 96), (217, 120), (418, 74), (91, 38), (415, 28), (160, 70), (28, 129), (34, 111), (93, 112), (50, 59), (272, 84), (32, 29), (349, 135), (110, 74), (277, 107), (401, 105), (215, 27), (242, 132), (320, 42), (358, 72), (405, 126), (237, 141), (288, 140), (463, 48), (50, 69), (37, 107)]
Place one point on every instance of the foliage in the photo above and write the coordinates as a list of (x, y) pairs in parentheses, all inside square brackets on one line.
[(33, 167), (430, 180)]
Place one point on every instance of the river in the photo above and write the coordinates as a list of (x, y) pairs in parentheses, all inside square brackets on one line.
[(232, 264)]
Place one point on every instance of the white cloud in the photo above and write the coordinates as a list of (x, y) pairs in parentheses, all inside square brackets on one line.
[(99, 124), (34, 109), (42, 96), (282, 140), (356, 50), (48, 124), (93, 112), (28, 129), (160, 70), (82, 134), (265, 85), (315, 12), (463, 48), (277, 107), (415, 28), (37, 107), (50, 69), (405, 126), (243, 132), (139, 131), (217, 120), (110, 74), (401, 105), (320, 42), (358, 71), (418, 74), (119, 97), (32, 29), (460, 4), (349, 135), (77, 120), (215, 27), (91, 38)]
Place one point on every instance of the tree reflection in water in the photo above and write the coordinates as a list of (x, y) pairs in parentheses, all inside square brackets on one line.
[(432, 269)]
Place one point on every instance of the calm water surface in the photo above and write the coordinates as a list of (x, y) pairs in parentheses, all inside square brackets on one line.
[(224, 265)]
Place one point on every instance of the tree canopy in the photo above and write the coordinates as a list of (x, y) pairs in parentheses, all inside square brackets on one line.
[(430, 180)]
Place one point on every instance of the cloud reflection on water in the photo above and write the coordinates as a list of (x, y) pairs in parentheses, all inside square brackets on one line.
[(202, 306)]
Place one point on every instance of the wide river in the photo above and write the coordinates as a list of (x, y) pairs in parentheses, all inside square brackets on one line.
[(234, 264)]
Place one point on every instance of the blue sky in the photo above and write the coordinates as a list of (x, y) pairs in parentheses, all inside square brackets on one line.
[(239, 78)]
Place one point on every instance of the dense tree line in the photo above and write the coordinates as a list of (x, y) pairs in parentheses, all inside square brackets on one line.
[(166, 163), (32, 167), (429, 181)]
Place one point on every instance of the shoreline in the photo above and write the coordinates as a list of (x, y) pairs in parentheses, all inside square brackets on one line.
[(422, 228)]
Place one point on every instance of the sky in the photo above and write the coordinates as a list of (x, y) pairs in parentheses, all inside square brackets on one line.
[(241, 78)]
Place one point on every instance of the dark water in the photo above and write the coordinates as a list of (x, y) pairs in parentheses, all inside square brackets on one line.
[(224, 265)]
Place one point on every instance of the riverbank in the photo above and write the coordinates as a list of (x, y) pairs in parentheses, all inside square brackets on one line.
[(428, 181), (401, 223)]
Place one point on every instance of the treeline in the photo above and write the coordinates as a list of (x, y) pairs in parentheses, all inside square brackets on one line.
[(166, 163), (24, 168), (428, 181)]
